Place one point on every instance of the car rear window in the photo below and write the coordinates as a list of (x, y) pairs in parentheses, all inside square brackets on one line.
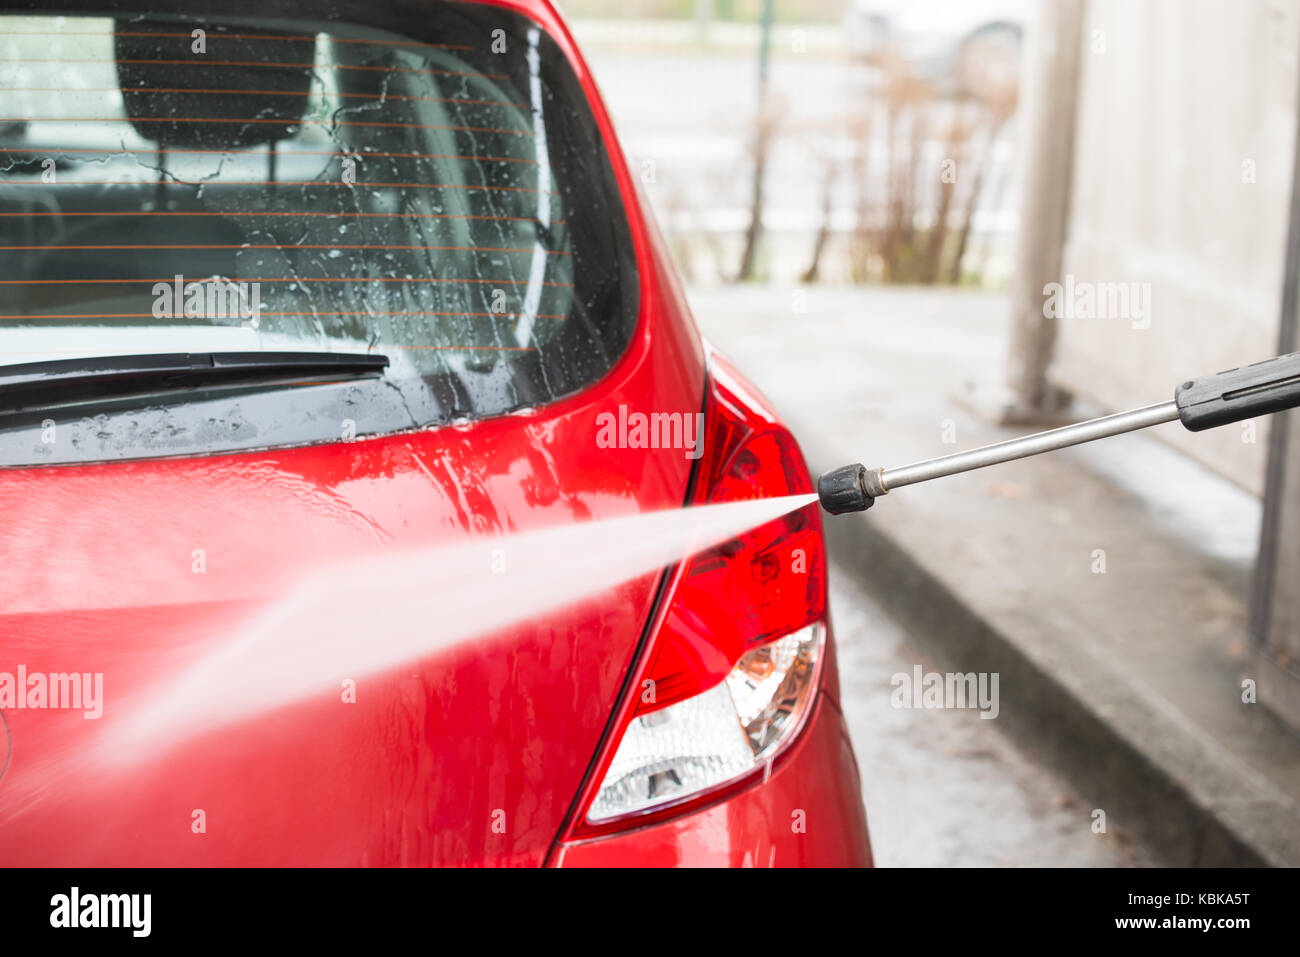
[(428, 183)]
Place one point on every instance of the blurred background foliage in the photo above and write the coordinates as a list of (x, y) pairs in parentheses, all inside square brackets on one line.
[(848, 141)]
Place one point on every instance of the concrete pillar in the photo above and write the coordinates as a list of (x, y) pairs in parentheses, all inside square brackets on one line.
[(1275, 609), (1049, 86)]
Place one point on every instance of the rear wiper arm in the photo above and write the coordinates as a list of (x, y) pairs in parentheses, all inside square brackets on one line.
[(32, 385)]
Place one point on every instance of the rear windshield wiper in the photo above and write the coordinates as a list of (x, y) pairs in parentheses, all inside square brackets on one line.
[(32, 385)]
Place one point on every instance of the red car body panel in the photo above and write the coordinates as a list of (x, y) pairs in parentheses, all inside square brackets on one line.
[(471, 757)]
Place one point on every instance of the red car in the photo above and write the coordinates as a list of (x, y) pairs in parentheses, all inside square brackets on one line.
[(293, 285)]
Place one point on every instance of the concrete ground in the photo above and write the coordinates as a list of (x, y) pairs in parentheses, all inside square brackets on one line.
[(1105, 584), (946, 788)]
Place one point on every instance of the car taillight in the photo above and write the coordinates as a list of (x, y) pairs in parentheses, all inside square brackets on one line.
[(732, 665)]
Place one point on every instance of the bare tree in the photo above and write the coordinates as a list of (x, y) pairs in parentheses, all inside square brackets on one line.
[(956, 145), (829, 174), (769, 121), (997, 95)]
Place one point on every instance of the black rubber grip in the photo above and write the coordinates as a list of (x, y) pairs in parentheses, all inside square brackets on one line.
[(842, 490), (1256, 389)]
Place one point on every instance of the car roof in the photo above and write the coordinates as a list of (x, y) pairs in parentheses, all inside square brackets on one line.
[(538, 9)]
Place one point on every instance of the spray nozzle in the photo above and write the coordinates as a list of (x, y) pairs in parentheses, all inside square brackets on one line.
[(845, 490)]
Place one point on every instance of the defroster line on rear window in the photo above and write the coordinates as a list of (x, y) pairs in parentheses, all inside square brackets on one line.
[(278, 121), (220, 35), (421, 71), (362, 153), (370, 97), (411, 313), (359, 184), (290, 279), (386, 346), (174, 246), (283, 213)]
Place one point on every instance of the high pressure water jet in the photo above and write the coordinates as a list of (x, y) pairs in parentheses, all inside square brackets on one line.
[(1205, 403)]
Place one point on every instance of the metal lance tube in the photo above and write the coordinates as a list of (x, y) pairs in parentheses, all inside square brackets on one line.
[(1203, 403), (1061, 438)]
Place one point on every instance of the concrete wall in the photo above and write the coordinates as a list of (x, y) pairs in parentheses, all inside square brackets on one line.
[(1181, 179)]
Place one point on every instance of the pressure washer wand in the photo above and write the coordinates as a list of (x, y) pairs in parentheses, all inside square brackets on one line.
[(1204, 403)]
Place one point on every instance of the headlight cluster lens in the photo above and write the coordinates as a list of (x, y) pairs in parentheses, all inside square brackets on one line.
[(716, 736)]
